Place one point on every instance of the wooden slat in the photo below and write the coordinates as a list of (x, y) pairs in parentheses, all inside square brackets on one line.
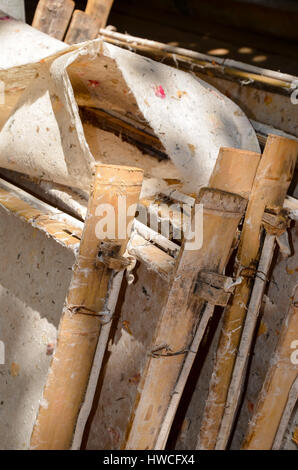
[(52, 18), (239, 370), (222, 213), (239, 181), (40, 216), (99, 10), (82, 28)]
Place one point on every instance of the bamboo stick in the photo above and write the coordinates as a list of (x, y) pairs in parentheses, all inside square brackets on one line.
[(113, 295), (99, 10), (202, 63), (81, 319), (156, 238), (179, 315), (52, 18), (286, 416), (222, 213), (246, 342), (147, 246), (277, 386), (239, 168), (179, 387), (82, 28), (270, 187), (154, 259), (63, 228)]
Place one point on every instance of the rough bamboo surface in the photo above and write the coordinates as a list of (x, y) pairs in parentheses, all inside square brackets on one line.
[(181, 312), (82, 28), (40, 215), (272, 180), (80, 323), (99, 10), (52, 18), (277, 386), (242, 358), (287, 414), (193, 60), (235, 171), (138, 317)]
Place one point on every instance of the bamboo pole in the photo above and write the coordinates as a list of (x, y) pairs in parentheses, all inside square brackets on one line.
[(180, 385), (80, 324), (63, 228), (277, 386), (202, 63), (286, 416), (85, 25), (52, 18), (114, 290), (222, 213), (272, 180), (181, 311), (234, 170), (99, 10), (246, 342)]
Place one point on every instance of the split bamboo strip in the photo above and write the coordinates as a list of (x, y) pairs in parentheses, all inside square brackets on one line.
[(80, 324), (288, 412), (239, 168), (181, 312), (154, 259), (180, 385), (156, 239), (52, 18), (40, 215), (272, 180), (103, 339), (245, 343), (202, 63), (277, 386), (148, 247), (82, 28), (99, 10)]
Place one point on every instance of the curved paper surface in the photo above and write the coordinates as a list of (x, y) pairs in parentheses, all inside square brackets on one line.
[(42, 134)]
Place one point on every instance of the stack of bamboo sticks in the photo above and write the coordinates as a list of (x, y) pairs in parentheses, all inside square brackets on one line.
[(257, 187)]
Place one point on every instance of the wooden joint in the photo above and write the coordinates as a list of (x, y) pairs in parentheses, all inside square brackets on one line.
[(108, 255), (275, 221), (214, 288)]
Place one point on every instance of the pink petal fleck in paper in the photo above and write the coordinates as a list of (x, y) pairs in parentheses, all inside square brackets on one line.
[(93, 83), (5, 18), (159, 92)]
